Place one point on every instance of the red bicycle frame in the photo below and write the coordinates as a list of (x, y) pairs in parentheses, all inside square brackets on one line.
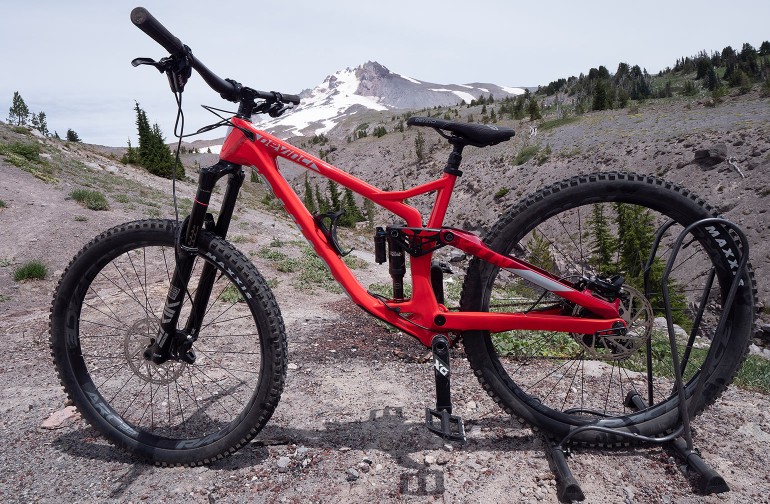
[(421, 316)]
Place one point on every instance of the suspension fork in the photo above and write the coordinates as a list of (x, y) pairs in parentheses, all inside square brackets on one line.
[(171, 343)]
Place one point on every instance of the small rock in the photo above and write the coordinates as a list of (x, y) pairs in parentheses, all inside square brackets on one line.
[(353, 474), (59, 419), (430, 459), (292, 366), (471, 405), (283, 464)]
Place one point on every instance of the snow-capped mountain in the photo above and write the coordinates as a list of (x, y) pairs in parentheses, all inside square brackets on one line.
[(371, 86)]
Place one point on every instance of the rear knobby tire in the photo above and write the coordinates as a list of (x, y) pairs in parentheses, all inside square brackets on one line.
[(107, 308), (558, 382)]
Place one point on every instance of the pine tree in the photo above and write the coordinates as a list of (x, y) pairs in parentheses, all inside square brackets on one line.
[(153, 153), (352, 212), (19, 112), (419, 146), (334, 193), (321, 202), (309, 200), (369, 210), (72, 136), (540, 252), (131, 156), (145, 134), (534, 110), (604, 248), (40, 123)]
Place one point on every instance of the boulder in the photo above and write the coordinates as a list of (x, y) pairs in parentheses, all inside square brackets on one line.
[(709, 158)]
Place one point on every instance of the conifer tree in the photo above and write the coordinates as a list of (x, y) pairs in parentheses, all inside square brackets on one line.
[(369, 210), (534, 110), (352, 212), (153, 153), (321, 202), (72, 136), (19, 112), (540, 252), (334, 193), (604, 246), (309, 200), (419, 146), (40, 123)]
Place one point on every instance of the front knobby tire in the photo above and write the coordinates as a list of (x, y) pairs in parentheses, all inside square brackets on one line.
[(602, 225), (106, 309)]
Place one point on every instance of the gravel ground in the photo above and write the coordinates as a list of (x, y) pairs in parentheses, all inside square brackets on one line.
[(349, 427)]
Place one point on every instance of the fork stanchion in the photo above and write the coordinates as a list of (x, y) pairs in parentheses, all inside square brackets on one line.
[(680, 439)]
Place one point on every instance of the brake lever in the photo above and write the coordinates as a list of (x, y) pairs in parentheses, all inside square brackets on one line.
[(148, 61), (177, 68), (277, 109)]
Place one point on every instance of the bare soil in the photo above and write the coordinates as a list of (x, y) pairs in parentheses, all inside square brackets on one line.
[(349, 427)]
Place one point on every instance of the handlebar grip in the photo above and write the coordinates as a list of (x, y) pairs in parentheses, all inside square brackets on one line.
[(290, 98), (152, 27)]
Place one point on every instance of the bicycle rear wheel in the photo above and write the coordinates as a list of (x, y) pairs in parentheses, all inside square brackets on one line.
[(105, 311), (603, 225)]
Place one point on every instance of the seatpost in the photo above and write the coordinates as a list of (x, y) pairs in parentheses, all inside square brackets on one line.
[(455, 158)]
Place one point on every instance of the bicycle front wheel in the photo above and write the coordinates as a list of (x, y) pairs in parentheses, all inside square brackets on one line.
[(603, 225), (107, 308)]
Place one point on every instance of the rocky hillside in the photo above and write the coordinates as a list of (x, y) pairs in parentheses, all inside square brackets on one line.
[(722, 153)]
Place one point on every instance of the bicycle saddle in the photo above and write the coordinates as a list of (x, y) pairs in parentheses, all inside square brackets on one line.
[(478, 135)]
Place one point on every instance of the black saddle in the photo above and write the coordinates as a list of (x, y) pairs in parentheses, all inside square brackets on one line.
[(478, 135)]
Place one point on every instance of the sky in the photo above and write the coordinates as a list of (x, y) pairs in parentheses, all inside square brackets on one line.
[(71, 59)]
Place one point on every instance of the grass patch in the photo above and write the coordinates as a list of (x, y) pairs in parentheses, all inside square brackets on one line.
[(122, 198), (2, 204), (555, 123), (231, 294), (93, 200), (526, 154), (20, 154), (33, 270), (755, 374), (501, 192)]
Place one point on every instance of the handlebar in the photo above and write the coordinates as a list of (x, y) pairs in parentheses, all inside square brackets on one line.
[(228, 89)]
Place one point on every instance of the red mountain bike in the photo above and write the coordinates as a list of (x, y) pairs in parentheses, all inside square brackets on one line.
[(171, 344)]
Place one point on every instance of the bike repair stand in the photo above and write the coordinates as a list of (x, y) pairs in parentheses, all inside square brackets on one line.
[(709, 481)]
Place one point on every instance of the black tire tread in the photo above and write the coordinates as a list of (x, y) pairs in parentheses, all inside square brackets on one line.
[(257, 285), (478, 360)]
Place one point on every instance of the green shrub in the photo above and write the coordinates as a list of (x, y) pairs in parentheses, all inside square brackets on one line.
[(93, 200), (26, 151), (501, 192), (33, 270), (2, 204), (526, 154)]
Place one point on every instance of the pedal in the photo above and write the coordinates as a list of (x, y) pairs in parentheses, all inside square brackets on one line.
[(448, 426)]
